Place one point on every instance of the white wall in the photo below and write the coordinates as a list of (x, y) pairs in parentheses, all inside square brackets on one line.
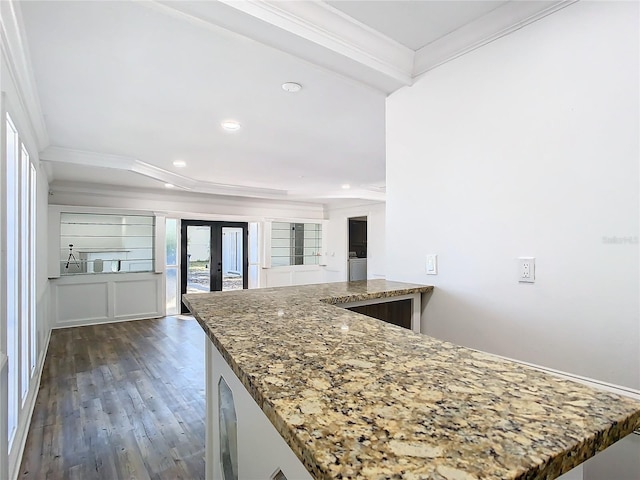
[(527, 147), (16, 102), (337, 241)]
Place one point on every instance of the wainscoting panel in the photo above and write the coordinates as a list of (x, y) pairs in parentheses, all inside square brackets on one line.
[(4, 453), (89, 299), (292, 275), (136, 298)]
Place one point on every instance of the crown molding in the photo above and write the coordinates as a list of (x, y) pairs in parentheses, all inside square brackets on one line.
[(502, 21), (48, 170), (364, 193), (16, 53), (82, 157)]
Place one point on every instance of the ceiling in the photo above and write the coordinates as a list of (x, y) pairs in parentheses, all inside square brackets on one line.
[(126, 88), (416, 24)]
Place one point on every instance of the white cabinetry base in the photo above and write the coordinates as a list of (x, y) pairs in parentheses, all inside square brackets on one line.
[(261, 451)]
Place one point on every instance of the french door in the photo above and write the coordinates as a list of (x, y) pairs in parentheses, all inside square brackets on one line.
[(214, 256)]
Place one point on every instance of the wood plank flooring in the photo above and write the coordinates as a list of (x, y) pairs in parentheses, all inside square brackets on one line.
[(120, 401)]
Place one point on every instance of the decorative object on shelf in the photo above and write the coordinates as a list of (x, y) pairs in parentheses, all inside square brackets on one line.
[(72, 258), (98, 265)]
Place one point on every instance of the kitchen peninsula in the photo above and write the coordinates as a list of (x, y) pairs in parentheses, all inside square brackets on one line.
[(357, 398)]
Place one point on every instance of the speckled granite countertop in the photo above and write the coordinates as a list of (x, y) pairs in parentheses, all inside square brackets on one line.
[(376, 401)]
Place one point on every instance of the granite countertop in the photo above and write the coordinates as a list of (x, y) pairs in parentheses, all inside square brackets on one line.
[(357, 398)]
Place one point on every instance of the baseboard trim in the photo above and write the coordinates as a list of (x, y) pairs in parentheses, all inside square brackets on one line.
[(14, 467), (86, 323)]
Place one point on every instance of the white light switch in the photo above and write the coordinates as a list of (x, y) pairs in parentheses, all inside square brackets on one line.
[(432, 264), (526, 270)]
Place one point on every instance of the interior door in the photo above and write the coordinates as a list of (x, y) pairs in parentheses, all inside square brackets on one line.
[(213, 256)]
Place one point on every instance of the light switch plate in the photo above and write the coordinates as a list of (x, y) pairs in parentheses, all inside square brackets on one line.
[(526, 269), (432, 264)]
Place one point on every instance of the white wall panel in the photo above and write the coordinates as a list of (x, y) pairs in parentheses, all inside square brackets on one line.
[(87, 301), (304, 277), (278, 277), (293, 275), (4, 470), (137, 298)]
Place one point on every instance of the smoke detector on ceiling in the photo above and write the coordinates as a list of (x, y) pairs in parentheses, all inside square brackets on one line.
[(291, 87)]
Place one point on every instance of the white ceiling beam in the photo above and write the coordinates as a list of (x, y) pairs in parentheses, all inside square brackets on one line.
[(313, 31), (324, 25), (321, 34)]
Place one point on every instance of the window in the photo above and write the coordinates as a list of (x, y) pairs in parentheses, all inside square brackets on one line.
[(32, 268), (25, 284), (295, 244), (13, 278), (106, 243), (171, 267), (19, 199)]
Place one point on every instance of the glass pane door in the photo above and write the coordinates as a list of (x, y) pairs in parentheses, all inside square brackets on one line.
[(171, 267), (213, 256), (198, 258), (232, 259)]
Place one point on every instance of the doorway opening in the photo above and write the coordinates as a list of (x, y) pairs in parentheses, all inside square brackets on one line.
[(357, 267), (214, 256)]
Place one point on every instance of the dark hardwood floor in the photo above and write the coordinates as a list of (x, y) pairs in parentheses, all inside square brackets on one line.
[(120, 401)]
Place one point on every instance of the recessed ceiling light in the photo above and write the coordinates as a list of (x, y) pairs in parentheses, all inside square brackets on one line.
[(179, 163), (231, 125), (346, 186), (169, 185), (291, 87)]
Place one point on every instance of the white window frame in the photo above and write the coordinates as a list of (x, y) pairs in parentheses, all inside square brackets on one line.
[(19, 197)]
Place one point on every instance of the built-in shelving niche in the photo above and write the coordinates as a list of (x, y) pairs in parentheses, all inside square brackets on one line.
[(106, 243)]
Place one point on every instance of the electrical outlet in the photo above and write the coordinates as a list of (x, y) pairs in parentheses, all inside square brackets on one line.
[(432, 264), (526, 269)]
